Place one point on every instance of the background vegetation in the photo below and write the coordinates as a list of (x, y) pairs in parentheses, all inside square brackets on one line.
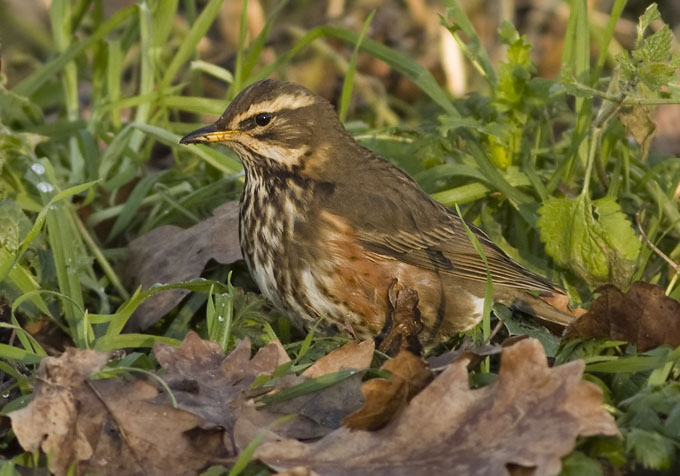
[(557, 168)]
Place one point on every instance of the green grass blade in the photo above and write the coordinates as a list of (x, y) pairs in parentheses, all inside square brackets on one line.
[(420, 76), (23, 279), (488, 289), (14, 353), (348, 84), (124, 341), (214, 107), (257, 46), (212, 70), (132, 204), (114, 78), (576, 58), (309, 386), (118, 320), (211, 156), (236, 86), (614, 17), (147, 72), (189, 44), (32, 83), (474, 51), (40, 220)]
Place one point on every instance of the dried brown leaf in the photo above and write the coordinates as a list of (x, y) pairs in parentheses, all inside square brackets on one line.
[(317, 413), (50, 422), (466, 350), (211, 385), (170, 254), (639, 124), (108, 427), (353, 355), (384, 398), (643, 316), (139, 436), (530, 417)]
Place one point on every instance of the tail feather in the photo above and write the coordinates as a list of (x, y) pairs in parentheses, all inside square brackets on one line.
[(537, 307)]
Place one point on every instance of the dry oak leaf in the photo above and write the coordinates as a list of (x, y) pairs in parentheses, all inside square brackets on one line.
[(467, 350), (211, 385), (315, 414), (353, 355), (643, 316), (385, 397), (108, 427), (530, 417), (50, 421), (170, 254)]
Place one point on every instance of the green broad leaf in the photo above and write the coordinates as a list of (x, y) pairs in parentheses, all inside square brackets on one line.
[(14, 226), (497, 130), (18, 109), (593, 239), (672, 423), (517, 325), (651, 449), (655, 75), (473, 49), (651, 14), (500, 155), (656, 47), (626, 66), (578, 464), (619, 235), (17, 144), (519, 52)]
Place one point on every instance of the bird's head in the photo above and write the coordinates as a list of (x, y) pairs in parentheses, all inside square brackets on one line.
[(273, 124)]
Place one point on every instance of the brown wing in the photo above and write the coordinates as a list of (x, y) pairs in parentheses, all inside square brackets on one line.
[(448, 250), (394, 217)]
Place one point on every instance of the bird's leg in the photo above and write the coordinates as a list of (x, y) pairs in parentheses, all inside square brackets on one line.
[(403, 323)]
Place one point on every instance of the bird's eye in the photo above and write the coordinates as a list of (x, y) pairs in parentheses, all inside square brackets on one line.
[(263, 119)]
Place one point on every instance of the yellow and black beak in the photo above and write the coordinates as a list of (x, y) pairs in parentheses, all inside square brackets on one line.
[(207, 134)]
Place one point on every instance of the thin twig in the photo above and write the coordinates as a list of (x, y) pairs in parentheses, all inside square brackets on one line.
[(656, 250), (496, 330)]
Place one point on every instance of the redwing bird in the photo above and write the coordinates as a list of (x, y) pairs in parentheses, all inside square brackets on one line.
[(326, 225)]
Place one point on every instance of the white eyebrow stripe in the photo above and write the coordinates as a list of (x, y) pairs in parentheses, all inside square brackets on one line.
[(285, 101)]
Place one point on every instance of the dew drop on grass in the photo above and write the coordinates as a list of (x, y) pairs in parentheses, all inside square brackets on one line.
[(38, 169), (220, 318), (45, 187)]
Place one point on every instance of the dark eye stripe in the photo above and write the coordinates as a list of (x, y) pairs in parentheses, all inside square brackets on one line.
[(247, 124)]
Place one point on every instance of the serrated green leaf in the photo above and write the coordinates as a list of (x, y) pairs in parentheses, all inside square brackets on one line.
[(651, 14), (14, 226), (672, 423), (626, 66), (599, 249), (18, 109), (516, 325), (578, 464), (651, 449), (624, 246), (656, 47), (655, 75)]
